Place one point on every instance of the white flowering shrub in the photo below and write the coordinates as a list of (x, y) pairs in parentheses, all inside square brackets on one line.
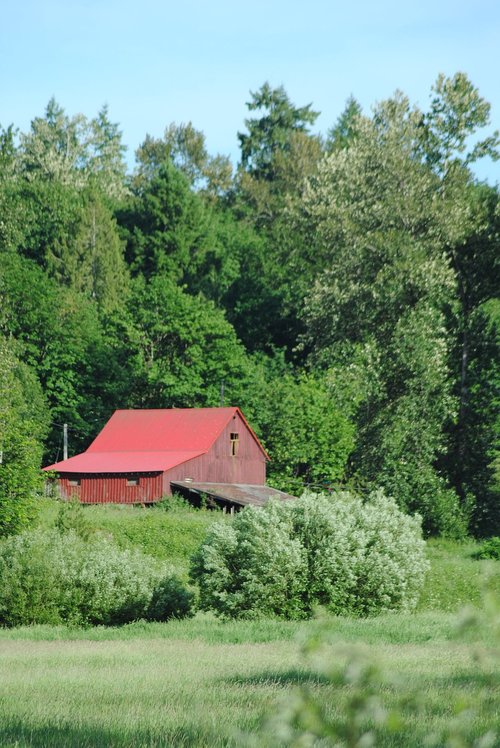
[(51, 577), (352, 556), (36, 570), (253, 567), (114, 585)]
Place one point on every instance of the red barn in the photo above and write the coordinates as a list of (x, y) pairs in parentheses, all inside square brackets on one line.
[(141, 454)]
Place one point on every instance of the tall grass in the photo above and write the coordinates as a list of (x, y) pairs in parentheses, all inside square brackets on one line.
[(206, 683), (429, 626), (456, 578)]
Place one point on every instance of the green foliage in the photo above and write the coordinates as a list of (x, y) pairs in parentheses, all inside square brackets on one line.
[(344, 131), (474, 456), (51, 577), (168, 227), (23, 424), (457, 112), (89, 257), (185, 147), (183, 348), (384, 281), (71, 518), (252, 568), (363, 557), (352, 557), (170, 599), (360, 272), (307, 437), (74, 151), (454, 580), (82, 372), (272, 131), (489, 549)]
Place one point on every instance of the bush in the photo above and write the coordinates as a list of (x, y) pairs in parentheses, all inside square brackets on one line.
[(489, 549), (171, 599), (71, 517), (253, 567), (353, 557), (50, 577)]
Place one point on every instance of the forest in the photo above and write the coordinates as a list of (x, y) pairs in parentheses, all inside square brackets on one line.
[(341, 288)]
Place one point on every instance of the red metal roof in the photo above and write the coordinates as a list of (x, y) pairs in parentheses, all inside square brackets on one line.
[(148, 440), (162, 430), (123, 462)]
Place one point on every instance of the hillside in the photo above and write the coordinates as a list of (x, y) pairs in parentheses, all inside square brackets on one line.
[(456, 579)]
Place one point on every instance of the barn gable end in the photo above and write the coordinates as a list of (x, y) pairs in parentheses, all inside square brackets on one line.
[(220, 464)]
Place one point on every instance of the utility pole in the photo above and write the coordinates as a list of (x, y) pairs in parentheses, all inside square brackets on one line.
[(222, 394), (65, 441)]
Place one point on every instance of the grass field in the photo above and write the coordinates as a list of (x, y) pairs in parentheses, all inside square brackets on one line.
[(205, 683), (202, 682)]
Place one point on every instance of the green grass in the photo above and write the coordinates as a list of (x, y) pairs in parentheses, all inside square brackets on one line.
[(203, 683), (393, 629), (456, 578), (167, 535)]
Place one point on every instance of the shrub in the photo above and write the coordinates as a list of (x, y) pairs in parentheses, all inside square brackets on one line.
[(489, 549), (253, 567), (53, 577), (113, 586), (33, 586), (71, 517), (170, 599), (353, 557)]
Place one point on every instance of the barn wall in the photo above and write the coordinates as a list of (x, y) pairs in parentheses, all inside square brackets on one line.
[(112, 488), (219, 466)]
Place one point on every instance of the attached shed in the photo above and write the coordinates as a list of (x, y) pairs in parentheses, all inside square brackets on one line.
[(139, 454)]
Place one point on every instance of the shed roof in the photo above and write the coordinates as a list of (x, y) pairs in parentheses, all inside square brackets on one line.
[(157, 439), (242, 494)]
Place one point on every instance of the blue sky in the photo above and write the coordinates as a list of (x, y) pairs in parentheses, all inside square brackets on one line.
[(158, 62)]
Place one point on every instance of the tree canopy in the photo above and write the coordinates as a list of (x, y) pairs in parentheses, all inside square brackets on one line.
[(342, 288)]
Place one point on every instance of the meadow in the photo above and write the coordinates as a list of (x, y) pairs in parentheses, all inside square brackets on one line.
[(203, 682)]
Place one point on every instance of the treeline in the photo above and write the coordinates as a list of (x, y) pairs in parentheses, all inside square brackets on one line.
[(341, 288)]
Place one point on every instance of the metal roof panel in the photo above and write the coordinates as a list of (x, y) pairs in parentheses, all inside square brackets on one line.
[(235, 493), (123, 462)]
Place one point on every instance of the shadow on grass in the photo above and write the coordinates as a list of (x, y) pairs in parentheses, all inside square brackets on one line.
[(292, 677), (475, 680), (17, 734)]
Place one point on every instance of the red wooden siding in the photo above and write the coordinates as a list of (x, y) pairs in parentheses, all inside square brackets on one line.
[(101, 488), (219, 466)]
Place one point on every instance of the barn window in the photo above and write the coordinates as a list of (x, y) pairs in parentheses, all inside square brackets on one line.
[(132, 481), (74, 481), (235, 441)]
